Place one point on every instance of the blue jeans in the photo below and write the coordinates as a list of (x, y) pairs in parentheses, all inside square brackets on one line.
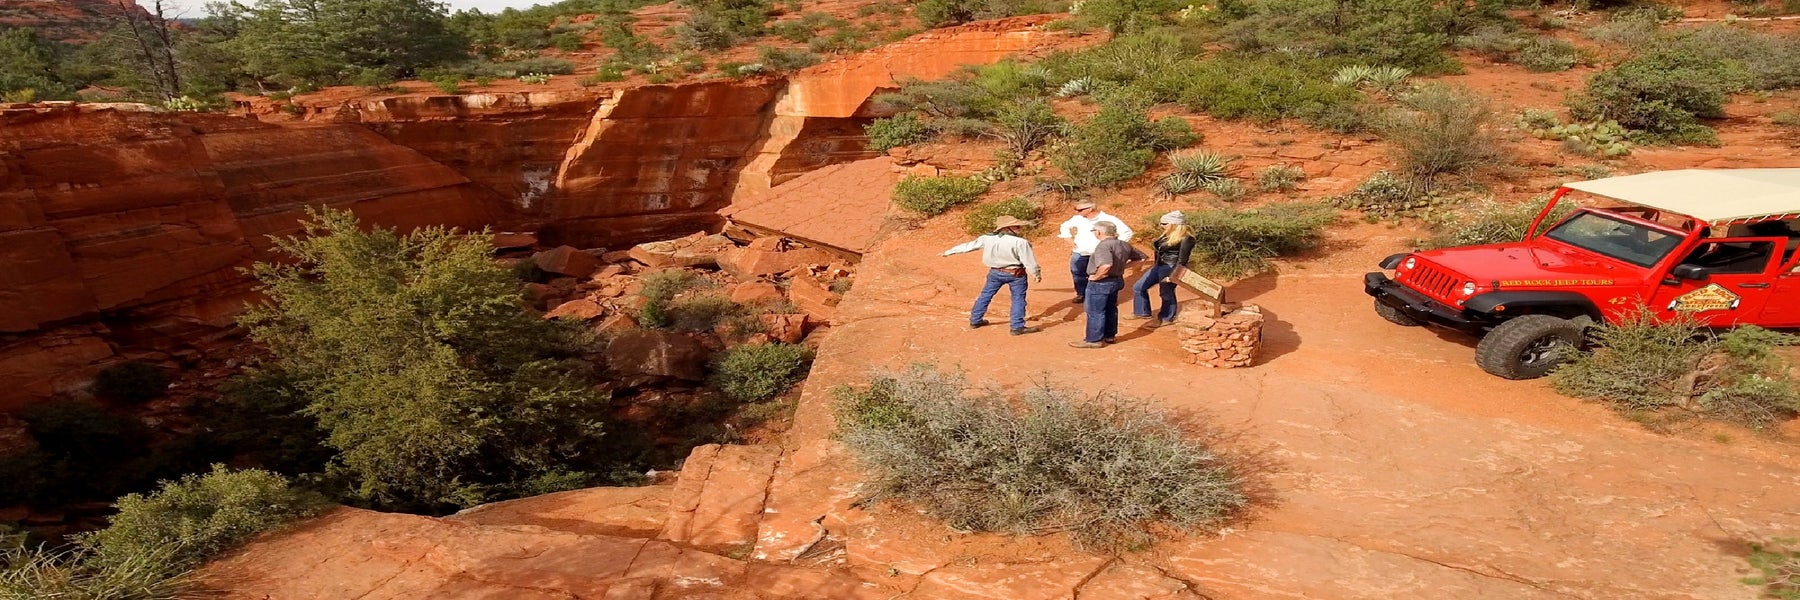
[(1102, 306), (1078, 265), (1140, 304), (995, 279)]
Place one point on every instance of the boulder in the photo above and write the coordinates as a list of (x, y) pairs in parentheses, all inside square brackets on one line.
[(540, 295), (813, 299), (615, 324), (617, 256), (692, 251), (718, 501), (583, 309), (750, 263), (657, 354), (745, 293), (566, 260), (787, 329), (769, 244)]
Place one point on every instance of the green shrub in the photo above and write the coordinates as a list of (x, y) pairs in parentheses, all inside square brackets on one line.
[(1598, 140), (1264, 89), (1440, 130), (1227, 189), (535, 79), (758, 372), (1488, 222), (1644, 368), (448, 85), (1778, 569), (1194, 169), (1107, 468), (190, 521), (1537, 118), (702, 312), (931, 196), (896, 131), (43, 574), (436, 385), (981, 220), (1233, 243), (1786, 119), (1403, 33), (659, 290), (1634, 28), (1547, 54), (131, 382), (1118, 143), (1494, 42), (1663, 94), (1279, 178), (783, 60)]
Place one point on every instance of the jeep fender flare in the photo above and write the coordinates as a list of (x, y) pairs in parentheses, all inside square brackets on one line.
[(1571, 304)]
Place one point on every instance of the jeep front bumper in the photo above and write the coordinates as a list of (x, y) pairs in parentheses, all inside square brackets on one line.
[(1423, 309)]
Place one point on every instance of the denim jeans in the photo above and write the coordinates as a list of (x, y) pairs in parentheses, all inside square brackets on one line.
[(1078, 265), (995, 279), (1140, 303), (1102, 307)]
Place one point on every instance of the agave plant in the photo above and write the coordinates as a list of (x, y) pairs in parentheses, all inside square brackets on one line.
[(1076, 87), (1194, 170), (1388, 80), (1353, 75)]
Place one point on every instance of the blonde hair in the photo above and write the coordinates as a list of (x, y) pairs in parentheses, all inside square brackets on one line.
[(1175, 232)]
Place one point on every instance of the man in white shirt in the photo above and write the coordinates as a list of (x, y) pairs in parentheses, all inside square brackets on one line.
[(1080, 228), (1009, 260)]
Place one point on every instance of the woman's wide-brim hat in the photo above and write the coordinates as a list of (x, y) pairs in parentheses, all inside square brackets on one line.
[(1006, 221)]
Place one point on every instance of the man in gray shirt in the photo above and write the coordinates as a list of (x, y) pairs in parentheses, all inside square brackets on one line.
[(1009, 259), (1106, 277)]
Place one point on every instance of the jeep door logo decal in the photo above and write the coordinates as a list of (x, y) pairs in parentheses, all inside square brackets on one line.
[(1711, 297)]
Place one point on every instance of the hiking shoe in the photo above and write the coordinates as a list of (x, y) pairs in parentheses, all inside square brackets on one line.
[(1086, 345), (978, 324), (1079, 299), (1110, 341), (1165, 322), (1136, 317), (1025, 330)]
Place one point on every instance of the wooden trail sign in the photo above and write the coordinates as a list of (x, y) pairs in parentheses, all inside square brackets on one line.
[(1205, 287)]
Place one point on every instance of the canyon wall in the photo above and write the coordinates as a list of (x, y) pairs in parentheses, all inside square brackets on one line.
[(122, 227), (122, 230)]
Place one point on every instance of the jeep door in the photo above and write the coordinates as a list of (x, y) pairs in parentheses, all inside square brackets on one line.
[(1734, 286), (1783, 308)]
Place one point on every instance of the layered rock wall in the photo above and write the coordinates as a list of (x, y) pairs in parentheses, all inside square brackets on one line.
[(118, 223)]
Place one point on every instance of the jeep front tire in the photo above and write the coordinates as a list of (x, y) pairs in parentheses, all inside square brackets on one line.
[(1393, 315), (1528, 346)]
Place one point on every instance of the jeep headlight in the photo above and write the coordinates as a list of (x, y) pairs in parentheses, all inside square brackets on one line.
[(1409, 264), (1468, 288)]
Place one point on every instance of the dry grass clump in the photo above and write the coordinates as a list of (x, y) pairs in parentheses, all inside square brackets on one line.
[(1106, 467)]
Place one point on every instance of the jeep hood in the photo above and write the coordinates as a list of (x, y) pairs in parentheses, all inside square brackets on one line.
[(1538, 265)]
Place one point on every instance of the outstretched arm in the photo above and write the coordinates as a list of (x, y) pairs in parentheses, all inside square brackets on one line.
[(969, 246)]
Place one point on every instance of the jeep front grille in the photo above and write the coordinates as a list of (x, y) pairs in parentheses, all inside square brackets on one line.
[(1433, 281)]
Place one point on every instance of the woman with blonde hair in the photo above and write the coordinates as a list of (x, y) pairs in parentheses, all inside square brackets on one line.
[(1171, 250)]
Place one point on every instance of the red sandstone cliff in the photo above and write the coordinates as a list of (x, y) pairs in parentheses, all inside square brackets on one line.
[(72, 21), (118, 223)]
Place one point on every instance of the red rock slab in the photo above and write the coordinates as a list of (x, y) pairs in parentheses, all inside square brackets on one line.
[(755, 291), (1002, 581), (620, 511), (841, 206), (812, 298), (718, 501), (566, 260), (750, 263), (780, 581), (584, 310), (1121, 581), (787, 329)]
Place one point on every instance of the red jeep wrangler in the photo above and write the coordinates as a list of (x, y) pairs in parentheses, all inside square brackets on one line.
[(1712, 244)]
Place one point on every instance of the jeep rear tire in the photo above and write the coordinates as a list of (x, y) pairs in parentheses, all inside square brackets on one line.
[(1528, 347), (1393, 315)]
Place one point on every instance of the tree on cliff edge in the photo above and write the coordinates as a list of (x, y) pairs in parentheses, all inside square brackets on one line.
[(417, 356)]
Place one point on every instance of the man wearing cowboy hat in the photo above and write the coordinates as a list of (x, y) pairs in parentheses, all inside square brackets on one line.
[(1009, 259)]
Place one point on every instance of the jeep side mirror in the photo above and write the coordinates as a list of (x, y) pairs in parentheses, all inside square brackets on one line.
[(1693, 272)]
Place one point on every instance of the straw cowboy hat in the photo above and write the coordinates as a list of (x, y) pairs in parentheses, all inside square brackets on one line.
[(1006, 221)]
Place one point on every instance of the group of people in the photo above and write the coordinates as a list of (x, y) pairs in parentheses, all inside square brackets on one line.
[(1102, 250)]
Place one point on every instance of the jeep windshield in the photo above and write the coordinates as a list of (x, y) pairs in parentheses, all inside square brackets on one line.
[(1616, 237)]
